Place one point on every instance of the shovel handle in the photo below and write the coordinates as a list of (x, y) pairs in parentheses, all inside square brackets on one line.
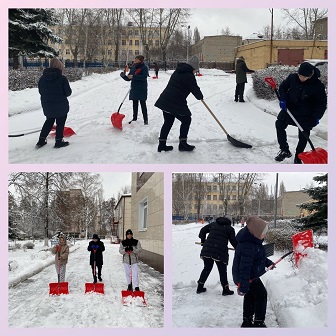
[(123, 100), (218, 122)]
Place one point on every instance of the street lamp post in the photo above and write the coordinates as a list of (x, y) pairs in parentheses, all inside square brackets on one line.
[(188, 37)]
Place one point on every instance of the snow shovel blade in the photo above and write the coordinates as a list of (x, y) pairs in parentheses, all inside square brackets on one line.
[(141, 295), (67, 132), (317, 156), (116, 120), (56, 288), (126, 296), (94, 287), (238, 143), (301, 241)]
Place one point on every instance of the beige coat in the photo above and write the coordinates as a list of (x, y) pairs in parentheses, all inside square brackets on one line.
[(64, 253)]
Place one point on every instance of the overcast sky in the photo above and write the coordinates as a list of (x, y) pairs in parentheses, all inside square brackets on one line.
[(114, 182), (241, 21)]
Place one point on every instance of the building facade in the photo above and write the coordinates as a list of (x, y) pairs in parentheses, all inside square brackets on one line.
[(123, 214), (288, 204)]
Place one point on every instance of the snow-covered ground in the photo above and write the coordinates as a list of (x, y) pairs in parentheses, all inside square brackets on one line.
[(297, 297), (96, 97), (30, 306)]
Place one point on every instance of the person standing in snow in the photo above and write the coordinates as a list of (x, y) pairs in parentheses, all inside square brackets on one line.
[(215, 249), (61, 251), (303, 94), (138, 76), (173, 103), (249, 264), (54, 89), (130, 249), (241, 79), (156, 69), (96, 248)]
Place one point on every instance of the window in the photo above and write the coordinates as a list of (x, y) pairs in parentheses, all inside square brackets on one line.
[(130, 32), (123, 42), (143, 214), (136, 42), (130, 52), (136, 32), (123, 32), (130, 42), (221, 197), (321, 27), (109, 52), (234, 197), (208, 188), (214, 188), (233, 188), (67, 51), (136, 52), (209, 197), (214, 207), (123, 52), (157, 43), (214, 197)]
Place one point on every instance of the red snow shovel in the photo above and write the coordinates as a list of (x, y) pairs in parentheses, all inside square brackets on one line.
[(128, 295), (59, 287), (67, 132), (301, 241), (316, 155), (116, 117), (94, 287)]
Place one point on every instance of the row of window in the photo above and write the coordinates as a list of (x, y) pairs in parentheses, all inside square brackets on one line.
[(215, 188), (137, 42), (110, 52), (221, 197)]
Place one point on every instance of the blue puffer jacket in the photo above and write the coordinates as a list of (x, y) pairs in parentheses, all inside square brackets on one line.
[(139, 81), (249, 261)]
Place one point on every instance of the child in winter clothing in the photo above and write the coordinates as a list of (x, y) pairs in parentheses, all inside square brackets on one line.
[(138, 76), (248, 265), (61, 251), (54, 89), (173, 103), (241, 79), (130, 249), (215, 249), (96, 248), (303, 94)]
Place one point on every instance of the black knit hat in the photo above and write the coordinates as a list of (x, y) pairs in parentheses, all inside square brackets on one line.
[(129, 231), (306, 69), (95, 236)]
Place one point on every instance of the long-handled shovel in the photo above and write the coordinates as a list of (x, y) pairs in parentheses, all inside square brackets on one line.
[(316, 155), (116, 117), (234, 142), (59, 287), (301, 241), (68, 132), (94, 287)]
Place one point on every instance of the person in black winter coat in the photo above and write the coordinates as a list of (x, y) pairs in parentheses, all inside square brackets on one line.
[(156, 69), (249, 264), (173, 103), (241, 79), (138, 76), (303, 94), (215, 249), (96, 248), (54, 89)]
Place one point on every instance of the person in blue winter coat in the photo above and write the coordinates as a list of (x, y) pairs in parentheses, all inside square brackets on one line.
[(54, 89), (304, 95), (215, 250), (173, 103), (138, 76), (96, 248), (249, 264)]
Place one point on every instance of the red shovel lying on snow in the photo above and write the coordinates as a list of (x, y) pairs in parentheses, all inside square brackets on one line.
[(58, 287), (316, 155), (94, 287), (116, 117), (68, 131)]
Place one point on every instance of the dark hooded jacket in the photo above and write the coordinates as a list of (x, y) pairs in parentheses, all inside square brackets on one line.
[(182, 82), (54, 89), (138, 81), (305, 100), (241, 70), (100, 248), (249, 261), (219, 233)]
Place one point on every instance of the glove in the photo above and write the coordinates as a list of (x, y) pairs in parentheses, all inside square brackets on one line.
[(128, 248), (57, 248), (283, 105), (94, 247), (122, 73), (240, 293)]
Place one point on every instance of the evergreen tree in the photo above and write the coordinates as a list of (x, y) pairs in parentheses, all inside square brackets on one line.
[(29, 33), (318, 209)]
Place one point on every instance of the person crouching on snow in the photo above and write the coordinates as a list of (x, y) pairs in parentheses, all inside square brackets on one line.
[(130, 249), (54, 89), (173, 103), (249, 264), (96, 247), (61, 251)]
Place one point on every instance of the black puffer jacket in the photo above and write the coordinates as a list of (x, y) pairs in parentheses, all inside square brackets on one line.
[(139, 81), (305, 100), (182, 82), (219, 233), (249, 261), (99, 252), (54, 89), (241, 70)]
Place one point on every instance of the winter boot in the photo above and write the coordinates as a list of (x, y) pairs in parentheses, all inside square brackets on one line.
[(200, 288), (100, 278), (184, 146), (129, 287), (259, 324), (227, 291), (41, 143), (236, 99), (247, 322), (163, 147), (282, 155), (137, 289), (242, 100), (132, 120), (95, 279), (61, 143), (297, 160)]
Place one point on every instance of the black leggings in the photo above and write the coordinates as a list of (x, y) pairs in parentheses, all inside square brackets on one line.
[(99, 267), (255, 301), (169, 121), (143, 109), (222, 269), (48, 124)]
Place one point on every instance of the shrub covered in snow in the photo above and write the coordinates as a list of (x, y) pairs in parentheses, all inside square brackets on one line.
[(29, 245), (264, 91), (282, 236)]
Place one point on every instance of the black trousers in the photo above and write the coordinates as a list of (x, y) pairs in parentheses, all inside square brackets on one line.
[(99, 268), (255, 301), (169, 121), (281, 125), (239, 93), (208, 265), (48, 124), (143, 109)]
